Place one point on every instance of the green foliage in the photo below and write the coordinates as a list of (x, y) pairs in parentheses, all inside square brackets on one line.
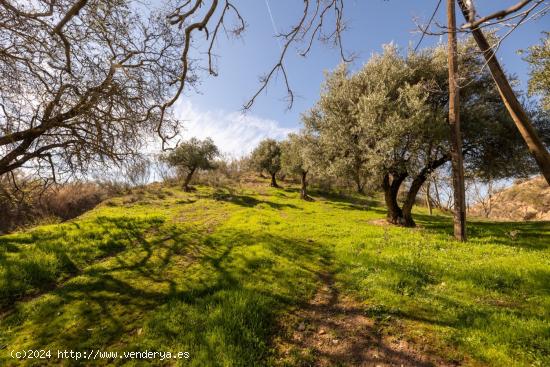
[(193, 154), (538, 56), (390, 117), (267, 157), (299, 153)]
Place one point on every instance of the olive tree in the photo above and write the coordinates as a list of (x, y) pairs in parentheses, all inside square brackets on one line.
[(395, 110), (298, 157), (344, 143), (267, 157), (538, 56), (192, 155)]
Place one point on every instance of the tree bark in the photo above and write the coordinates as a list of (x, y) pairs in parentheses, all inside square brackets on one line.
[(411, 198), (359, 186), (395, 214), (454, 123), (273, 180), (489, 199), (428, 198), (403, 216), (360, 189), (514, 107), (437, 196), (187, 180), (303, 190)]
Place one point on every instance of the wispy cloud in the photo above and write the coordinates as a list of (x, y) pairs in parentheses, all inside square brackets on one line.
[(234, 133)]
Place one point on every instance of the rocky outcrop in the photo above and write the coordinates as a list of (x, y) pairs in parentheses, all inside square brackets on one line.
[(527, 200)]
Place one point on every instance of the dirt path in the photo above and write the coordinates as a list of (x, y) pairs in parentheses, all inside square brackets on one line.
[(333, 331)]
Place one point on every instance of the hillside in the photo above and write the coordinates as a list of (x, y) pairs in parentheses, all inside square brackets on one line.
[(528, 200), (253, 276)]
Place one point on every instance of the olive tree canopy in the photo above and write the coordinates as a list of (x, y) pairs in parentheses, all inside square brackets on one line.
[(192, 155), (538, 56), (390, 119), (299, 154), (267, 157)]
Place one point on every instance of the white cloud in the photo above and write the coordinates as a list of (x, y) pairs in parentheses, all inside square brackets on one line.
[(234, 133)]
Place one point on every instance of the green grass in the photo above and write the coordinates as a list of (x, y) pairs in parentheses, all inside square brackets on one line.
[(211, 272)]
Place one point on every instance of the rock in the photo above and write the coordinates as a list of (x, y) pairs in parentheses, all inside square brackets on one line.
[(335, 341), (322, 331), (301, 327)]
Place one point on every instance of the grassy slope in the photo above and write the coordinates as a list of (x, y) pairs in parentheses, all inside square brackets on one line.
[(211, 271)]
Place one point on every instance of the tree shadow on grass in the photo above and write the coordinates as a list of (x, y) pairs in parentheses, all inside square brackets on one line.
[(331, 330), (35, 262), (528, 235), (217, 298), (247, 201), (492, 305)]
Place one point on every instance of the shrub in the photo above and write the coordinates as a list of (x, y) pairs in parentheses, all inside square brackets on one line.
[(71, 200)]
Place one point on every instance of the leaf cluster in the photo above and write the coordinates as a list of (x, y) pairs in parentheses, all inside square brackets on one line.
[(193, 155)]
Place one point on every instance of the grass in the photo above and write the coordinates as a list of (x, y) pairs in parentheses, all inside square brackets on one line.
[(211, 272)]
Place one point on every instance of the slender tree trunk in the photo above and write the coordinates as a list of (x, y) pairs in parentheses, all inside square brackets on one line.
[(437, 196), (273, 180), (359, 186), (303, 190), (188, 180), (454, 122), (490, 198), (395, 214), (428, 198), (514, 107)]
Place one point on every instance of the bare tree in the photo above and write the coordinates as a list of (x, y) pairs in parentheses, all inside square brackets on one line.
[(81, 82), (483, 191), (138, 171), (211, 17)]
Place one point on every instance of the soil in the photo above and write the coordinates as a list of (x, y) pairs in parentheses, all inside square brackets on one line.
[(334, 331)]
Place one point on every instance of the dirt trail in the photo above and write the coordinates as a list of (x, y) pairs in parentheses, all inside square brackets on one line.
[(334, 331)]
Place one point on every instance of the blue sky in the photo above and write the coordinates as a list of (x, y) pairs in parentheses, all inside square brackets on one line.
[(214, 111)]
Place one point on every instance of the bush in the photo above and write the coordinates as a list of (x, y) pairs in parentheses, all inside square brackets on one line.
[(17, 201), (71, 200), (25, 201)]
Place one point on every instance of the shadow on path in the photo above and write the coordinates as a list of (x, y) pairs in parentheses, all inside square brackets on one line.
[(332, 330)]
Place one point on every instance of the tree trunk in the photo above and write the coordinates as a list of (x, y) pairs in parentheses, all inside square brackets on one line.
[(188, 180), (437, 196), (428, 198), (303, 190), (359, 186), (454, 122), (518, 114), (273, 180), (489, 199), (411, 198), (395, 214)]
